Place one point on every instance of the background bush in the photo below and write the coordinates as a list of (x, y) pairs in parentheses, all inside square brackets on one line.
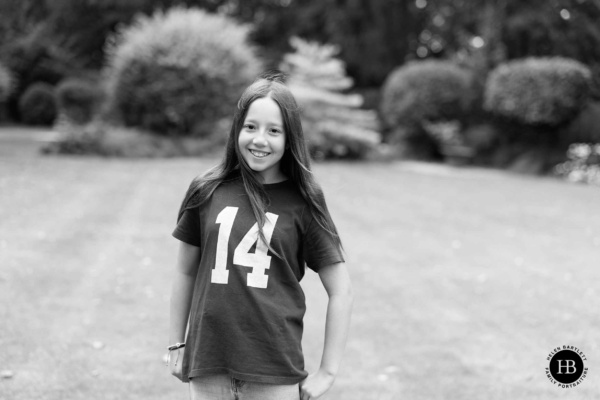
[(6, 83), (179, 72), (538, 91), (37, 105), (78, 99), (418, 92), (104, 139), (425, 91), (585, 127)]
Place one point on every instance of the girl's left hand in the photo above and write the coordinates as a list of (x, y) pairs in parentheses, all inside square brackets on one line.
[(315, 385)]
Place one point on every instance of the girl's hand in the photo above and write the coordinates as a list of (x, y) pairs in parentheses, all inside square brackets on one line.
[(315, 385), (176, 369)]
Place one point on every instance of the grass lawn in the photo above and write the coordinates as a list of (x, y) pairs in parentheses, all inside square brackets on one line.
[(465, 279)]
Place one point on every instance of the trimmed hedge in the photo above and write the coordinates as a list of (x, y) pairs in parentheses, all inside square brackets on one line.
[(421, 91), (179, 72), (78, 99), (538, 91), (37, 105)]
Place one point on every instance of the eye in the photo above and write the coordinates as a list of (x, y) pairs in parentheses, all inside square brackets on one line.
[(276, 131), (249, 126)]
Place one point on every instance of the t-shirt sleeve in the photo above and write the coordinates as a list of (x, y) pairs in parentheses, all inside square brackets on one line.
[(188, 227), (319, 247)]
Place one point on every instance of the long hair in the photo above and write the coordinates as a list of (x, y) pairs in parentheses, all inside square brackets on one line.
[(295, 162)]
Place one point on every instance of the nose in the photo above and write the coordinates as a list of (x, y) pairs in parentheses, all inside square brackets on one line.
[(259, 139)]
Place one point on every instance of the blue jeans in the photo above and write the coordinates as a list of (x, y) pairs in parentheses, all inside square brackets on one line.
[(223, 387)]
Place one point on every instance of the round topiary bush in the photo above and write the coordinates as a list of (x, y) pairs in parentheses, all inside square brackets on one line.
[(78, 99), (179, 72), (538, 91), (430, 90), (37, 105)]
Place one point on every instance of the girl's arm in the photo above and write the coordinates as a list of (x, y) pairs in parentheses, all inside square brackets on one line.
[(336, 281), (182, 289)]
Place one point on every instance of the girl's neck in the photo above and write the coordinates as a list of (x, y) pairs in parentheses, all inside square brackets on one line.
[(278, 179), (270, 179)]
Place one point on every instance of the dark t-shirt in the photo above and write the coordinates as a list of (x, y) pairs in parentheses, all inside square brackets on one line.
[(248, 305)]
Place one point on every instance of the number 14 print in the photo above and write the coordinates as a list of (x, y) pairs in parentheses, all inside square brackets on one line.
[(259, 260)]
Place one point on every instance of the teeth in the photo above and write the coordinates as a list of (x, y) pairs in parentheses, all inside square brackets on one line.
[(259, 153)]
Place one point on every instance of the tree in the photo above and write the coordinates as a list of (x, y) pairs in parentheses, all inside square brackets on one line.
[(334, 124)]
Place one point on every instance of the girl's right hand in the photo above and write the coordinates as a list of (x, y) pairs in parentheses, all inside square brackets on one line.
[(176, 370)]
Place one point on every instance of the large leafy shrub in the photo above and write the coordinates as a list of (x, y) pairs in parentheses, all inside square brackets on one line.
[(419, 93), (37, 105), (426, 91), (179, 72), (538, 91), (78, 99)]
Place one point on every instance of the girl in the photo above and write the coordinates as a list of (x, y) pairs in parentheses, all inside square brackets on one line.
[(247, 229)]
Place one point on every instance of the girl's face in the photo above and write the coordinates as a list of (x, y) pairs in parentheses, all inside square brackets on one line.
[(262, 139)]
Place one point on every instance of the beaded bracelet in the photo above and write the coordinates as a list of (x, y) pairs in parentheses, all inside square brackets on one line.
[(175, 346)]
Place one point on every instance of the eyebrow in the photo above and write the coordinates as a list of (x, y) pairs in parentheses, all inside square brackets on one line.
[(269, 123)]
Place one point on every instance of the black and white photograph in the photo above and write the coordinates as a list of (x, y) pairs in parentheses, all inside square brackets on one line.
[(299, 199)]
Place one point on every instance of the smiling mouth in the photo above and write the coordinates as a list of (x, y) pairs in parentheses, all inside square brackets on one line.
[(259, 154)]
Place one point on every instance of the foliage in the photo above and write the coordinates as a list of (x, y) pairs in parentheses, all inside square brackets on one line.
[(585, 127), (386, 33), (333, 124), (595, 85), (451, 140), (37, 105), (509, 29), (389, 33), (6, 83), (538, 91), (106, 140), (6, 87), (375, 36), (29, 49), (425, 91), (583, 164), (33, 58), (78, 27), (179, 72), (78, 99), (421, 92), (566, 28), (380, 31), (48, 41)]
